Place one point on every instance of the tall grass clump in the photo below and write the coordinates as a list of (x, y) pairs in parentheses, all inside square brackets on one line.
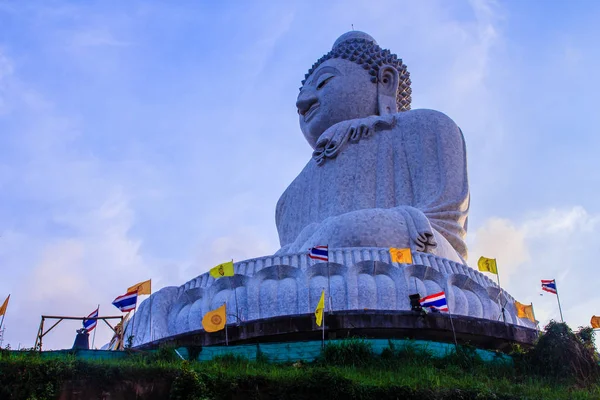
[(348, 352), (464, 357), (406, 352)]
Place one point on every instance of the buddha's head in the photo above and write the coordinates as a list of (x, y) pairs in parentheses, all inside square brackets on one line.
[(356, 79)]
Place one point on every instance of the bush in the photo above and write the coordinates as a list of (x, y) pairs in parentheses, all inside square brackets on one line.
[(464, 357), (406, 352), (354, 351), (187, 385), (562, 355), (230, 359)]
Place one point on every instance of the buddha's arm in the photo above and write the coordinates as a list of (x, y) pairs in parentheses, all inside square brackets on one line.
[(334, 139), (435, 152)]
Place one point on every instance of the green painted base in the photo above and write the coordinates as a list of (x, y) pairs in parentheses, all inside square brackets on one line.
[(310, 350)]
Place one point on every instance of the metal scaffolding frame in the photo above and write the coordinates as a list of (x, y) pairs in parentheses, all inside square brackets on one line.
[(41, 333)]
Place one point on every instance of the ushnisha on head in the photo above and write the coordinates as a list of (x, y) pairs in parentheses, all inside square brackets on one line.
[(356, 79)]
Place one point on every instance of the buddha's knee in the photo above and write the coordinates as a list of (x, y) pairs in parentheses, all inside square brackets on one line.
[(363, 228)]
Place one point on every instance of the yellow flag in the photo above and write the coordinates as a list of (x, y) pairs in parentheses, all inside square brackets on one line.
[(225, 269), (142, 288), (595, 322), (320, 308), (402, 256), (4, 305), (524, 311), (487, 265), (215, 320)]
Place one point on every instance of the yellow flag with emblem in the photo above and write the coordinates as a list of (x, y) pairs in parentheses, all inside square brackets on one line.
[(402, 256), (142, 288), (487, 265), (4, 306), (524, 311), (320, 308), (595, 322), (214, 321), (221, 270)]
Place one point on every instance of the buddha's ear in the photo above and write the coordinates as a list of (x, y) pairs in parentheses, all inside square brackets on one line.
[(387, 89)]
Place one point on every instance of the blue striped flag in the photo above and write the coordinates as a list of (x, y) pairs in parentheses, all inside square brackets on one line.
[(549, 285), (435, 302), (90, 324), (126, 302), (319, 253)]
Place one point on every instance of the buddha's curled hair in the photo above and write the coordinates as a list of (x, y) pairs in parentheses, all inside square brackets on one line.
[(371, 57)]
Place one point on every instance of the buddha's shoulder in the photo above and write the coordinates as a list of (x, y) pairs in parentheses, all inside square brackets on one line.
[(424, 121)]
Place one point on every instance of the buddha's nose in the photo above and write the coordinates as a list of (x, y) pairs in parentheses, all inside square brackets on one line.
[(305, 101)]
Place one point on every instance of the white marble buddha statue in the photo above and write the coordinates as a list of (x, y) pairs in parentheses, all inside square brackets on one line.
[(381, 175)]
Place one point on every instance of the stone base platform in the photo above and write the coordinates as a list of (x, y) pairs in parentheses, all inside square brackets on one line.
[(285, 288), (378, 324)]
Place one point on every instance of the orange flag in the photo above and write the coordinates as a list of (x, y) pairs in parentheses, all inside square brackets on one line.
[(402, 256), (595, 322), (4, 305), (524, 311), (142, 288), (215, 320)]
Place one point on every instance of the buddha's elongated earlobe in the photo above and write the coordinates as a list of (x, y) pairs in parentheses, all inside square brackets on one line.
[(387, 89)]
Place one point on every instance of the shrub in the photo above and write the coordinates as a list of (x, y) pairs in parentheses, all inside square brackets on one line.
[(463, 356), (230, 359), (406, 352), (187, 385), (354, 351), (561, 354)]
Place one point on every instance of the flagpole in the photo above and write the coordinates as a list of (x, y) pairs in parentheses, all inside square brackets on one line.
[(226, 334), (4, 314), (558, 299), (151, 331), (95, 328), (328, 279), (537, 328), (501, 291), (453, 331), (323, 327), (132, 323), (237, 310)]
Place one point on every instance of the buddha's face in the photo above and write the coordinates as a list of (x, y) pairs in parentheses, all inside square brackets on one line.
[(338, 90)]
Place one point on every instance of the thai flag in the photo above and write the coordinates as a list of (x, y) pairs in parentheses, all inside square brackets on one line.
[(90, 324), (126, 302), (435, 302), (549, 285), (319, 253)]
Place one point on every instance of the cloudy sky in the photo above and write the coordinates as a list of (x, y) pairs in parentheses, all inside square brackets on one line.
[(152, 139)]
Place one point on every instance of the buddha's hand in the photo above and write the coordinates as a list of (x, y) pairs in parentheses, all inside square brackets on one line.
[(404, 227), (421, 233), (333, 139), (362, 228)]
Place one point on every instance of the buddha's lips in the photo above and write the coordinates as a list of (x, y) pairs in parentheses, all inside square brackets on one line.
[(311, 111)]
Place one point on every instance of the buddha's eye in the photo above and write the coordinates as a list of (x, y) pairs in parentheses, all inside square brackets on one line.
[(324, 81)]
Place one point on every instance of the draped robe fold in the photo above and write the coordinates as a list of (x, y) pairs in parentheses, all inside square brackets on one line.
[(419, 162)]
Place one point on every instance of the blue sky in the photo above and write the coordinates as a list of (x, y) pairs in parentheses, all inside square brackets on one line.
[(152, 140)]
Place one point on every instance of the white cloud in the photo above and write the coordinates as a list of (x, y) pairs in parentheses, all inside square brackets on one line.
[(69, 275), (561, 244)]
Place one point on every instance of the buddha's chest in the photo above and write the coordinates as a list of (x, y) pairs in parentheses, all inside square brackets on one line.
[(370, 174)]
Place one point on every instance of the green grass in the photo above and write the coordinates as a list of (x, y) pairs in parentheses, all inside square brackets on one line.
[(349, 370)]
